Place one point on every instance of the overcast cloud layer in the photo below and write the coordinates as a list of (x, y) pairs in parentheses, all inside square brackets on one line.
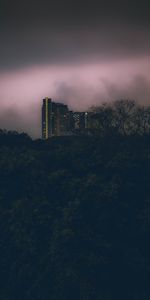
[(80, 53)]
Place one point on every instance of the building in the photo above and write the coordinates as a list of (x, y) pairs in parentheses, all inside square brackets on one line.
[(79, 120), (55, 119)]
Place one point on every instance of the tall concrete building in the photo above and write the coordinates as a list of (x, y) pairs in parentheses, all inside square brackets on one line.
[(55, 119)]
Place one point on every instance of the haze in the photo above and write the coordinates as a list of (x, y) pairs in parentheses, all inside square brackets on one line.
[(80, 53)]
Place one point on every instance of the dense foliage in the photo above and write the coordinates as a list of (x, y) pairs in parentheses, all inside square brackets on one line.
[(126, 117), (75, 218)]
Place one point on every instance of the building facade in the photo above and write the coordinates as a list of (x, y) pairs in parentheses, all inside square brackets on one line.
[(55, 119)]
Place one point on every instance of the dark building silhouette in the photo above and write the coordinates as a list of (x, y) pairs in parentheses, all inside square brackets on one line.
[(55, 119), (84, 122), (80, 121)]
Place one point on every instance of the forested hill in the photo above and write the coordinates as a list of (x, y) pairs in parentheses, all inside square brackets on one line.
[(74, 218)]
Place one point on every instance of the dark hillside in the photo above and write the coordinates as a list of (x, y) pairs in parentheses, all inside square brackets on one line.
[(75, 218)]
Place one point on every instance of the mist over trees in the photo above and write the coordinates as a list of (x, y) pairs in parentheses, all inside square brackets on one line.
[(122, 116), (75, 211)]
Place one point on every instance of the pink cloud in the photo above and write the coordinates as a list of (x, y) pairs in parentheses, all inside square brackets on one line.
[(78, 85)]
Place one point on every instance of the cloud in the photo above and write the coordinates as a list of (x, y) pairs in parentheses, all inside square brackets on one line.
[(78, 96), (48, 45), (80, 52), (137, 89), (78, 85), (28, 121)]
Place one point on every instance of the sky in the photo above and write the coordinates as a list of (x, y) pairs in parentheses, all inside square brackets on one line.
[(82, 53)]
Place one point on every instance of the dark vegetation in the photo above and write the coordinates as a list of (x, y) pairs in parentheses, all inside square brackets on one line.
[(75, 217)]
